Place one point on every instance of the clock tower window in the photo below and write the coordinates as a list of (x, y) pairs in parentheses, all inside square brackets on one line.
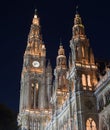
[(34, 95)]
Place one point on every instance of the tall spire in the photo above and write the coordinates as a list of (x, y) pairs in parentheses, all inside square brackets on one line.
[(60, 42), (35, 44), (61, 58)]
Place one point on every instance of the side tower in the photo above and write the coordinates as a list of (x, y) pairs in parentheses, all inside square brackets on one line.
[(60, 87), (82, 77), (60, 77), (33, 111)]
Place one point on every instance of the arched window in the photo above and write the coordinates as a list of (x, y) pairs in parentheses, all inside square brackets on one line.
[(89, 82), (32, 95), (84, 80), (90, 124), (36, 93), (60, 81)]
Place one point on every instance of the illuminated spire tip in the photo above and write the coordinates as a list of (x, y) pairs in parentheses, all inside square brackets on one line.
[(35, 11), (60, 42), (77, 9), (35, 14)]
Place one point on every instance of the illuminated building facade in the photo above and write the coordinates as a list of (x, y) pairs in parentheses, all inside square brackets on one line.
[(75, 99)]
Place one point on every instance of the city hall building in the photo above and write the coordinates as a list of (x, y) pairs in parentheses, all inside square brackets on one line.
[(73, 97)]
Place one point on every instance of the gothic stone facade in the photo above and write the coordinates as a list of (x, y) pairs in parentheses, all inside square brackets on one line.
[(71, 100)]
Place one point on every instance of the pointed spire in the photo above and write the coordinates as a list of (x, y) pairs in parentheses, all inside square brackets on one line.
[(35, 44), (36, 19), (60, 42), (35, 11), (77, 9)]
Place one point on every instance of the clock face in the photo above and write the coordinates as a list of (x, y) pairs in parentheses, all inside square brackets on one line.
[(35, 63)]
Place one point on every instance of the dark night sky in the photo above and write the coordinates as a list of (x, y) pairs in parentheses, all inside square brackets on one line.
[(56, 17)]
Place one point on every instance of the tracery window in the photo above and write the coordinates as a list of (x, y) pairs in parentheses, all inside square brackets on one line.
[(90, 124)]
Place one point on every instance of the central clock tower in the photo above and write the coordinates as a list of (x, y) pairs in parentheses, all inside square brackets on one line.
[(33, 94)]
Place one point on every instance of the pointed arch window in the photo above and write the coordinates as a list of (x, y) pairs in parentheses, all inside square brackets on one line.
[(84, 80), (89, 82), (90, 124), (36, 94), (32, 95)]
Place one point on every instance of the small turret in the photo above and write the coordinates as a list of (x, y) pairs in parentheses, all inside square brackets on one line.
[(78, 28), (61, 58), (60, 77)]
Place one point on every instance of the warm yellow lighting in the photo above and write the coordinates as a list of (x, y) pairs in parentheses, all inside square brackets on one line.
[(46, 111), (84, 80), (94, 67), (32, 85), (83, 65), (35, 16), (84, 88), (90, 88), (90, 124), (87, 66), (43, 46), (89, 80), (31, 111), (37, 70), (27, 110), (83, 54), (35, 20), (59, 92), (36, 85), (78, 64)]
